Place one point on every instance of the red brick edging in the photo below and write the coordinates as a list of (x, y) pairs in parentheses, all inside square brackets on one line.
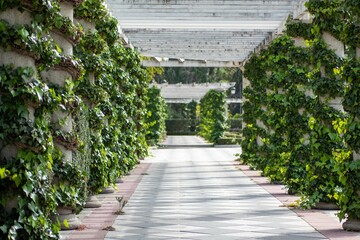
[(328, 226), (104, 217)]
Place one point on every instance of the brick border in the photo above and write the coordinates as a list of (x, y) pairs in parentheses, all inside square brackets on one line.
[(97, 219), (328, 226)]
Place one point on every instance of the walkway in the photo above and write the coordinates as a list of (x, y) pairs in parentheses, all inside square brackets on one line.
[(185, 141), (197, 193), (201, 193)]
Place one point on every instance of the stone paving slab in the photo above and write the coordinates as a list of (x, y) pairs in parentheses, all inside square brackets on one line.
[(198, 193)]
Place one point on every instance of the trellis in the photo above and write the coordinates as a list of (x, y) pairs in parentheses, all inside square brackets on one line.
[(185, 93), (208, 33)]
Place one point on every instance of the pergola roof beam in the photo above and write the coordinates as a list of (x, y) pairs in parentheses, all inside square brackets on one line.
[(211, 30), (190, 63), (200, 57), (200, 25)]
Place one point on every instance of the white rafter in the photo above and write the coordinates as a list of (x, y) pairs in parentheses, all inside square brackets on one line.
[(190, 91), (223, 31)]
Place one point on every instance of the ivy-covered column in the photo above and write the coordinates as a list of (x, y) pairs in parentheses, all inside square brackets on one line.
[(88, 52), (93, 50), (17, 108), (62, 75), (25, 140), (11, 20), (31, 169), (213, 122), (349, 161), (251, 112), (245, 83), (338, 24), (155, 118)]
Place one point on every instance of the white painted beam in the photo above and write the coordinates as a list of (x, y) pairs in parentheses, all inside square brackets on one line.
[(188, 100), (189, 63)]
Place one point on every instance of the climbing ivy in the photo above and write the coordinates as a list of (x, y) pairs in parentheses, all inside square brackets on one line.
[(213, 115), (157, 113), (116, 96), (293, 133), (107, 112)]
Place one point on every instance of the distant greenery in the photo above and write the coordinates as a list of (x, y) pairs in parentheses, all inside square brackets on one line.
[(156, 116), (213, 121), (182, 118), (196, 74)]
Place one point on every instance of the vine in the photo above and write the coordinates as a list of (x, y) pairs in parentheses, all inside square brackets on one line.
[(295, 131), (107, 113), (155, 119), (212, 111)]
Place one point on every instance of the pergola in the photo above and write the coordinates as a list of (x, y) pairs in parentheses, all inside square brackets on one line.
[(185, 93), (201, 33)]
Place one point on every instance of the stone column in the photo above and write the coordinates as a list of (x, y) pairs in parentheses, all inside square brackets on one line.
[(17, 59), (334, 44), (62, 119), (56, 75), (92, 200)]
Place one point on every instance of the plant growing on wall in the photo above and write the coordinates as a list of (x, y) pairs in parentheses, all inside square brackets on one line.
[(213, 115), (36, 173), (156, 116), (296, 134)]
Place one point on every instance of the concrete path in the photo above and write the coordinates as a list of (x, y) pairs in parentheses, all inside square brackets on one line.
[(197, 193), (185, 141)]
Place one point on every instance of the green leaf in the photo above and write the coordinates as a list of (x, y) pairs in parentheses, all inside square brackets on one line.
[(4, 228), (23, 33), (3, 173), (49, 166), (2, 26), (32, 207), (22, 111), (39, 94), (17, 179), (66, 223), (58, 48), (27, 188), (21, 202)]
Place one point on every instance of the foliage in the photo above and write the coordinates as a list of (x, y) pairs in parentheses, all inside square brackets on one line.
[(340, 18), (69, 183), (213, 122), (195, 75), (299, 29), (91, 10), (293, 132), (107, 113), (156, 116), (28, 186)]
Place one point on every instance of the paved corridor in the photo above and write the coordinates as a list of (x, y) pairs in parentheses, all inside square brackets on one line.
[(197, 193)]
